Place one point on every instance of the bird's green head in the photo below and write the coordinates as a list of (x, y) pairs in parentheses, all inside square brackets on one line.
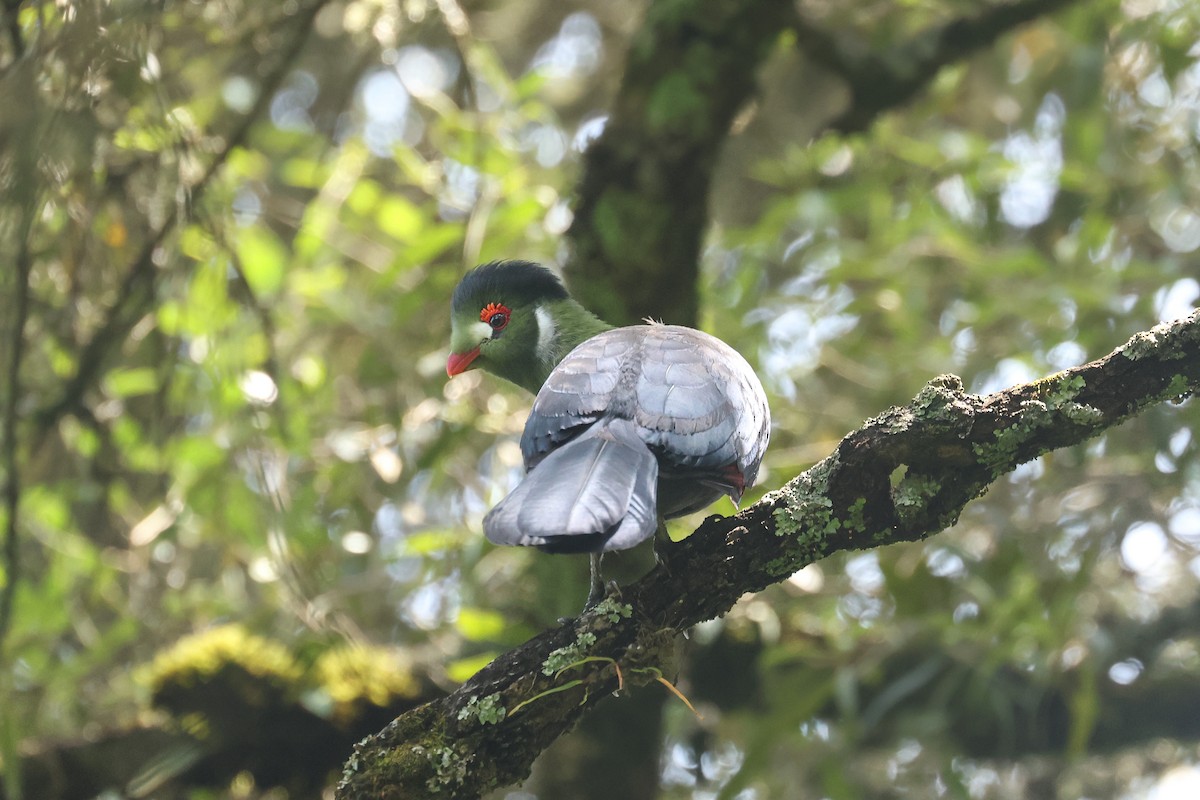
[(504, 317)]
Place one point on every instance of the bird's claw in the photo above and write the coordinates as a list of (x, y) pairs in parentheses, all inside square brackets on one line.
[(599, 591)]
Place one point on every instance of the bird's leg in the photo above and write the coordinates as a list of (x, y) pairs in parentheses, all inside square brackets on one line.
[(662, 545), (596, 585)]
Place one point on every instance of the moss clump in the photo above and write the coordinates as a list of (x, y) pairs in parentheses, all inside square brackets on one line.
[(200, 658), (223, 682), (354, 676)]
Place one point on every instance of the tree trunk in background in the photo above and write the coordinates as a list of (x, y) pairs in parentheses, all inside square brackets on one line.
[(614, 753)]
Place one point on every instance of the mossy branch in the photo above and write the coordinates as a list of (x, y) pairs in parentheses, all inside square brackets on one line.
[(902, 476)]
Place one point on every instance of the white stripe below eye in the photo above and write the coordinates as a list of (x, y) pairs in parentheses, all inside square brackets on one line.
[(481, 330), (546, 332)]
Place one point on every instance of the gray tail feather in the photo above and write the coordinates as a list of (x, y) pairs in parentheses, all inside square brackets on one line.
[(595, 493)]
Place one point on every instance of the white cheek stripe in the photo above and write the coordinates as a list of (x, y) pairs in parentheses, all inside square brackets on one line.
[(481, 330), (546, 331)]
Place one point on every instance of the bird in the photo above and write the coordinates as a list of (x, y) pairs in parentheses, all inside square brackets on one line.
[(630, 425)]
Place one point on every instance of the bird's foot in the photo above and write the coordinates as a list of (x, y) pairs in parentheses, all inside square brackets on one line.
[(599, 591), (664, 552), (663, 547)]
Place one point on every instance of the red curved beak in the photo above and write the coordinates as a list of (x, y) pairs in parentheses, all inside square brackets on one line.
[(459, 362)]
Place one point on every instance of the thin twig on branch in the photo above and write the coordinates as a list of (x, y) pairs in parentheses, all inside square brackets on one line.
[(880, 81), (902, 476)]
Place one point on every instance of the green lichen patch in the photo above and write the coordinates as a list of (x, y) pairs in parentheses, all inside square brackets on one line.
[(854, 520), (1064, 390), (803, 508), (1058, 400), (488, 710), (804, 513), (1082, 414), (1061, 398), (449, 766), (894, 420), (1142, 344), (938, 395), (1166, 341), (563, 657), (612, 609), (911, 497), (942, 404), (1001, 455)]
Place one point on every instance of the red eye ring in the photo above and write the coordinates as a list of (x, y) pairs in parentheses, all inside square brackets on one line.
[(496, 315)]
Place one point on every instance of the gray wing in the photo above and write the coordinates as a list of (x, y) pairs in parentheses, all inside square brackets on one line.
[(596, 492), (695, 402), (704, 412), (579, 391)]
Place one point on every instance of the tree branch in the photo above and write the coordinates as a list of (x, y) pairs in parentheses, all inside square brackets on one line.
[(882, 81), (8, 433), (904, 475)]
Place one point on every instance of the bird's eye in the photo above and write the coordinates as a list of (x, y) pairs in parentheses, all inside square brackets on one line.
[(496, 315)]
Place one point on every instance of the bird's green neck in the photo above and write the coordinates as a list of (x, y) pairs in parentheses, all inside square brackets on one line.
[(562, 324)]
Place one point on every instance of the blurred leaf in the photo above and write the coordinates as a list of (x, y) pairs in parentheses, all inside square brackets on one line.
[(462, 669), (263, 259), (399, 218), (480, 624), (130, 382)]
